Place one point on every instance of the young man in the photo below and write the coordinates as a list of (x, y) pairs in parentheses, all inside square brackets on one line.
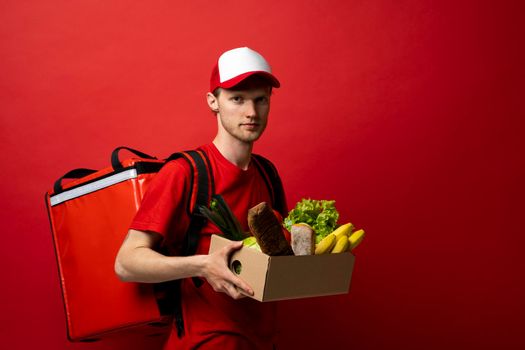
[(216, 314)]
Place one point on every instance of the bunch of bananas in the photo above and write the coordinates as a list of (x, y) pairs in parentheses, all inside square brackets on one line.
[(340, 240)]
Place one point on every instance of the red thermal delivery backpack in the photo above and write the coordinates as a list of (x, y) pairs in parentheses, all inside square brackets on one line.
[(89, 219)]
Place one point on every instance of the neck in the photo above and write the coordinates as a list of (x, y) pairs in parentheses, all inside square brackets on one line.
[(237, 152)]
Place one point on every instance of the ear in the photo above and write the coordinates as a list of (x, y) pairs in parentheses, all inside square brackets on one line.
[(212, 102)]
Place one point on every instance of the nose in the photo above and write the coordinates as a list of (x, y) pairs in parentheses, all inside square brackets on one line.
[(249, 109)]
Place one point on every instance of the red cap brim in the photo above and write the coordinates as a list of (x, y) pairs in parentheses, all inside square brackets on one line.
[(238, 79), (228, 84)]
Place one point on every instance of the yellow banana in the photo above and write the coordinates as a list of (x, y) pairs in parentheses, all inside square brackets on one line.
[(326, 245), (343, 230), (341, 245), (356, 238)]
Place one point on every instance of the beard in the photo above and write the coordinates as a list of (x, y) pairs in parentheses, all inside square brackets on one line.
[(243, 133)]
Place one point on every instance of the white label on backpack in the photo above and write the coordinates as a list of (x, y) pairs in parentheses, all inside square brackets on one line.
[(93, 186)]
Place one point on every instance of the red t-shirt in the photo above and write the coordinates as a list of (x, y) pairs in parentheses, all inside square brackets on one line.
[(208, 315)]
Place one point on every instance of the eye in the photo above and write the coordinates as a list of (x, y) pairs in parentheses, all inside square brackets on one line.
[(261, 100), (237, 99)]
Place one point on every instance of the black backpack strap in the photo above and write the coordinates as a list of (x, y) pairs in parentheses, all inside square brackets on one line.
[(73, 174), (200, 197), (115, 161), (201, 173), (273, 182)]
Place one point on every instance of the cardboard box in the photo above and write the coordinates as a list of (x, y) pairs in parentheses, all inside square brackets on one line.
[(289, 277)]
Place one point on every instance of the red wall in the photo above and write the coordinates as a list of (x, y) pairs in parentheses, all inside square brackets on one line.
[(408, 113)]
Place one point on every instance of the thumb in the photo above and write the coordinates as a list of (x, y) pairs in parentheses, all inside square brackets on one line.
[(230, 248), (236, 245), (233, 246)]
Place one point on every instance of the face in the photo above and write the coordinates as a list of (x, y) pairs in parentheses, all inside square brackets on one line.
[(243, 112)]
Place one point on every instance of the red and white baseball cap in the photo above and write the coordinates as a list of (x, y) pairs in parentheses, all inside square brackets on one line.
[(238, 64)]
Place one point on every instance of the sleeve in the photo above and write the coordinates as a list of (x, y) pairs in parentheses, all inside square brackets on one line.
[(163, 207)]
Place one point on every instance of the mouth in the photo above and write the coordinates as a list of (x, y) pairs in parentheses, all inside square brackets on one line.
[(250, 126)]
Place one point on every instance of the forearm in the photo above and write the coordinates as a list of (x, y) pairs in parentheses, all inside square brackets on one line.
[(143, 264), (137, 261)]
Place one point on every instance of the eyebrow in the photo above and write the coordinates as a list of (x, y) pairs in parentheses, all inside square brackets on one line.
[(244, 94)]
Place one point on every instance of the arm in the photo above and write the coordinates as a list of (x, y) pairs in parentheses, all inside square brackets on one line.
[(137, 261)]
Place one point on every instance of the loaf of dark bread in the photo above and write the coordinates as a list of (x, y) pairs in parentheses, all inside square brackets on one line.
[(267, 230)]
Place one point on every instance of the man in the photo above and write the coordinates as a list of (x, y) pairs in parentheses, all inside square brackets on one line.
[(216, 315)]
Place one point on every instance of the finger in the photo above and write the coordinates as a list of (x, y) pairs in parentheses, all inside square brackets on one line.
[(230, 248), (241, 285), (233, 292)]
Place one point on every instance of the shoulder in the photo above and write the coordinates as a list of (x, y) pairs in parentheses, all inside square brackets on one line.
[(174, 169), (209, 150), (177, 165), (265, 163)]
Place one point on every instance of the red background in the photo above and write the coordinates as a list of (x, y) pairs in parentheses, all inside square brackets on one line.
[(408, 113)]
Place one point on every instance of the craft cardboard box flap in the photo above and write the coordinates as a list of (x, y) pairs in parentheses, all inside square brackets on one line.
[(289, 277)]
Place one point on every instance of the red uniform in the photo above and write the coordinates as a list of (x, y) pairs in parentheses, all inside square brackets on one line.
[(211, 320)]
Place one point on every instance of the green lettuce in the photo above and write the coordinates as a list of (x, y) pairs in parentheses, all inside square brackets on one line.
[(251, 242), (320, 214)]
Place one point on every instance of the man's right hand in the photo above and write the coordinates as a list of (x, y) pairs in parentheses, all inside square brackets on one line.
[(220, 277)]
